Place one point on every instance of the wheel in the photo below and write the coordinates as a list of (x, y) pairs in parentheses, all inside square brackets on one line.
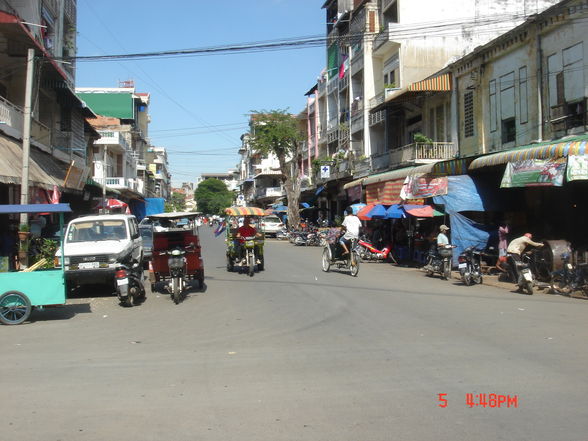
[(559, 286), (176, 290), (466, 278), (354, 264), (230, 264), (478, 278), (529, 288), (201, 283), (446, 270), (251, 264), (15, 308), (326, 260), (152, 287)]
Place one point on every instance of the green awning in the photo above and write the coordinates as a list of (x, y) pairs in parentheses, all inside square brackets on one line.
[(116, 105)]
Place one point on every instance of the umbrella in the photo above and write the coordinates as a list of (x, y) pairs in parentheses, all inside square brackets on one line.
[(279, 208), (112, 204), (395, 212), (244, 211), (372, 211), (419, 210), (357, 207)]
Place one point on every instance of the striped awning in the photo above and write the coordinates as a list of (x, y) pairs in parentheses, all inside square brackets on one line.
[(575, 146), (245, 211), (439, 83), (386, 193)]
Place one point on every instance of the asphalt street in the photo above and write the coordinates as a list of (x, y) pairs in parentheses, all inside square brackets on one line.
[(294, 353)]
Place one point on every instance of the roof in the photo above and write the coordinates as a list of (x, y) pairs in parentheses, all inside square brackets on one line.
[(103, 217), (35, 208), (174, 215)]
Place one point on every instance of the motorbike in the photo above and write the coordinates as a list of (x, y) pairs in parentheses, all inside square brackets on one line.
[(367, 251), (570, 278), (176, 263), (439, 261), (333, 255), (521, 273), (469, 266), (129, 284)]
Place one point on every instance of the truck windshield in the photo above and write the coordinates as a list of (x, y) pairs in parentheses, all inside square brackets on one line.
[(93, 231)]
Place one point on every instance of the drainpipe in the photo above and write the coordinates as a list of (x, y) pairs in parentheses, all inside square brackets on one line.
[(539, 85), (455, 114)]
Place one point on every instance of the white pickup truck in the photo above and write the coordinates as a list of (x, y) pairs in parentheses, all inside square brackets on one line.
[(95, 246)]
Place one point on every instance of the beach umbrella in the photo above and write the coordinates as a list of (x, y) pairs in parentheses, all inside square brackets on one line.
[(395, 212)]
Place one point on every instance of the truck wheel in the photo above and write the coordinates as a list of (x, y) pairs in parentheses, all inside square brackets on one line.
[(15, 308)]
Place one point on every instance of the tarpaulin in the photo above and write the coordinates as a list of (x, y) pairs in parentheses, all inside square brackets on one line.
[(465, 194), (534, 172), (386, 193), (466, 233)]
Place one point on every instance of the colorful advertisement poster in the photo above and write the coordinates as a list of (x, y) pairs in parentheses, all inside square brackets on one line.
[(424, 186), (577, 168), (534, 172)]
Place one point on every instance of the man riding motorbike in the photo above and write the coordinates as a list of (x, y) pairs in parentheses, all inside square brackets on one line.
[(246, 230)]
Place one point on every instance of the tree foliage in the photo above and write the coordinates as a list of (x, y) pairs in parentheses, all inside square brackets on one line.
[(212, 196), (177, 202), (278, 132)]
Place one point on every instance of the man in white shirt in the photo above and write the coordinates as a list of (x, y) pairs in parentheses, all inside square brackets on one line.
[(442, 238), (352, 226), (517, 246)]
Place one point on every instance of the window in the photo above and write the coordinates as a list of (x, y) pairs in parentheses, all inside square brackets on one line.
[(509, 130), (573, 68), (468, 114), (523, 96), (493, 108)]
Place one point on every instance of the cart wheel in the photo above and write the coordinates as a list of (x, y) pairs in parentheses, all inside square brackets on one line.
[(201, 283), (354, 264), (15, 308), (152, 288), (251, 263), (326, 260), (230, 265), (261, 265)]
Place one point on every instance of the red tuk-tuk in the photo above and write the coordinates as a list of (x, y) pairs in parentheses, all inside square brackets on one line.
[(176, 256)]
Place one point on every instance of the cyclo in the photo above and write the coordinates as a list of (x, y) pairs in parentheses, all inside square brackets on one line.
[(22, 291), (333, 253), (176, 255), (245, 252)]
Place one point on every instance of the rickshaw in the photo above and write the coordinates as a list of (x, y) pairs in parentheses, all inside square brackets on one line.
[(21, 291), (176, 253), (252, 247)]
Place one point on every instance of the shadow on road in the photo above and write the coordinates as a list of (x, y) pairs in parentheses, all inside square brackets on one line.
[(62, 312)]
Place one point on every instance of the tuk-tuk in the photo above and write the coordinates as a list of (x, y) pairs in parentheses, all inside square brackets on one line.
[(245, 252), (21, 291), (176, 253)]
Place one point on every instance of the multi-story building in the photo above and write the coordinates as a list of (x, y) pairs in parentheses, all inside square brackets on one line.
[(368, 110), (60, 139), (158, 165), (119, 155)]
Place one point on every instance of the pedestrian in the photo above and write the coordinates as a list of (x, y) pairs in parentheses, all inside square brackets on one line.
[(502, 246)]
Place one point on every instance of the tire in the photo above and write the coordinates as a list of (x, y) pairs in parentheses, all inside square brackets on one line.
[(15, 308), (176, 290), (128, 300), (478, 279), (529, 288), (201, 284), (326, 260), (559, 286), (251, 264), (354, 264), (466, 278), (230, 265), (446, 270), (261, 266)]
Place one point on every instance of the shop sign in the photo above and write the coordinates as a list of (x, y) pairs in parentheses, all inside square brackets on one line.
[(534, 172), (423, 186), (577, 168), (325, 171)]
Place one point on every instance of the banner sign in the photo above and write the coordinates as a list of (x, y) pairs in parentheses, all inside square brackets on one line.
[(325, 171), (424, 186), (534, 172), (577, 168)]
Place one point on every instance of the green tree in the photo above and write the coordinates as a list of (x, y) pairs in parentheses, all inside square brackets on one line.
[(177, 202), (212, 196), (280, 133)]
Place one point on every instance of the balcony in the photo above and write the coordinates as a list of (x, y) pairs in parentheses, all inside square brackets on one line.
[(332, 84), (357, 63), (118, 183), (357, 121), (423, 153), (377, 117), (377, 100), (344, 82), (113, 138), (383, 40), (322, 87), (269, 192), (381, 161)]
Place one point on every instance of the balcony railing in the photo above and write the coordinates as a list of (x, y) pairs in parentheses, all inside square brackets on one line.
[(377, 117), (377, 100), (423, 153), (322, 87), (344, 82), (118, 182), (357, 122), (269, 192), (332, 84), (381, 161), (357, 63), (381, 38)]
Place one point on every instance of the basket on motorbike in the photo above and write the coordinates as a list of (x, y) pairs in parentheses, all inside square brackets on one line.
[(445, 252)]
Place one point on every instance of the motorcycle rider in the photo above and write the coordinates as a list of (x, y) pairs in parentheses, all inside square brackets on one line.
[(245, 230), (352, 225), (442, 238), (517, 246)]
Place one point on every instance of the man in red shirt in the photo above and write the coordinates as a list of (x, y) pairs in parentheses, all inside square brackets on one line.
[(246, 230)]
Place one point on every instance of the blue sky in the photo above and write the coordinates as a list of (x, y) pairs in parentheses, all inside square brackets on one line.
[(200, 103)]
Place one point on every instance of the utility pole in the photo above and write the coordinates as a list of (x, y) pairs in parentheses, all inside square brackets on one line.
[(26, 134)]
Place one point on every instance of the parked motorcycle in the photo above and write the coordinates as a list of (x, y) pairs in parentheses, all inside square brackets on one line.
[(129, 284), (469, 265), (521, 273), (367, 251), (177, 268), (570, 278), (439, 261)]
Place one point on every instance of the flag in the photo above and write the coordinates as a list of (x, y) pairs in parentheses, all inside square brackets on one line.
[(342, 67), (219, 230), (56, 195)]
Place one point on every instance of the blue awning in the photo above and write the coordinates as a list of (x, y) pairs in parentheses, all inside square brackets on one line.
[(35, 208)]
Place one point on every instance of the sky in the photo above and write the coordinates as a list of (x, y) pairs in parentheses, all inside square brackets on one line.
[(200, 104)]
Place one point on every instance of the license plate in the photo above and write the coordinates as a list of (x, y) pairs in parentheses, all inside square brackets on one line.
[(462, 265), (121, 282), (250, 243), (89, 265), (528, 276)]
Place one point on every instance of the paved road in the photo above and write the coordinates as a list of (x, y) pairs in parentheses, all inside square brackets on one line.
[(297, 354)]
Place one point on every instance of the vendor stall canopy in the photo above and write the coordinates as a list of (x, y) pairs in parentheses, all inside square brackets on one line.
[(35, 208)]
